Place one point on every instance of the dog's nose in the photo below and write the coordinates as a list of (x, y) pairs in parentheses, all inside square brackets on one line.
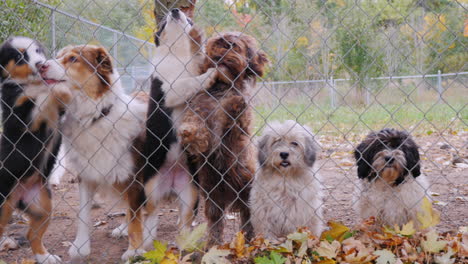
[(39, 64), (389, 159), (284, 155), (175, 13), (42, 67)]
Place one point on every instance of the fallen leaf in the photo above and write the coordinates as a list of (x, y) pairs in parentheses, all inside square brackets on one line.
[(157, 254), (328, 250), (337, 231), (406, 230), (28, 261), (216, 256), (432, 244), (439, 203), (300, 238), (427, 216), (445, 258), (385, 257), (239, 245), (191, 240), (99, 223), (274, 258)]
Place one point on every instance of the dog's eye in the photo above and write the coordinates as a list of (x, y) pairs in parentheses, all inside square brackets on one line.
[(72, 59), (294, 143)]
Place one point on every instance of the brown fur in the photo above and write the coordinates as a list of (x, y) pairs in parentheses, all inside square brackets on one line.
[(18, 71), (217, 128), (88, 60)]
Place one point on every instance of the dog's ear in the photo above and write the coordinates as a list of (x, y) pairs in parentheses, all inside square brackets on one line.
[(361, 154), (158, 34), (257, 62), (412, 158), (103, 64), (262, 149), (310, 153)]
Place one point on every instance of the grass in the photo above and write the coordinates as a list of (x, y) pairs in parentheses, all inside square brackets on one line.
[(423, 118)]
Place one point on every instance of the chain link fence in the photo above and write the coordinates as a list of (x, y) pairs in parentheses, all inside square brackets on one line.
[(340, 69)]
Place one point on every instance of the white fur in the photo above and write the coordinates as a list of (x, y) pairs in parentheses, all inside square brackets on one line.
[(283, 200), (178, 68), (99, 151), (7, 243), (48, 259), (34, 51), (391, 205), (60, 168)]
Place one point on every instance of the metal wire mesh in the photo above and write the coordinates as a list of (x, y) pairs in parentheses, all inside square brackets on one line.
[(341, 68)]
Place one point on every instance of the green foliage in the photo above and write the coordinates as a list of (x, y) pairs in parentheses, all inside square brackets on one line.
[(274, 258), (192, 240), (157, 254), (23, 18)]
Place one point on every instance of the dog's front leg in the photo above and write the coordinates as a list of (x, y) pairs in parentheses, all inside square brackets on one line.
[(80, 248), (180, 91)]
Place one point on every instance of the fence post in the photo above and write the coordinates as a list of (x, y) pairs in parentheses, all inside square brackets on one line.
[(52, 28), (114, 50), (439, 84), (332, 92)]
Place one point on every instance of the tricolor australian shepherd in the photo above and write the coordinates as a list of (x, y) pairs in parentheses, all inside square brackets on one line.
[(31, 109), (177, 77), (103, 139)]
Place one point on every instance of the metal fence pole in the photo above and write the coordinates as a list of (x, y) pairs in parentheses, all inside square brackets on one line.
[(439, 84), (114, 50), (52, 21), (332, 92)]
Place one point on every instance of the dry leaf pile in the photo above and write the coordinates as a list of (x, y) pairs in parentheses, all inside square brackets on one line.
[(365, 243)]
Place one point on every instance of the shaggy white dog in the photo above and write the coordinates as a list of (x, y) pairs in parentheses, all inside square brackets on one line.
[(286, 192)]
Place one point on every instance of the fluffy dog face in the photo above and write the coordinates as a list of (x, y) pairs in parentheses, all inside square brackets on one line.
[(20, 59), (390, 155), (176, 26), (285, 147), (87, 68), (238, 56)]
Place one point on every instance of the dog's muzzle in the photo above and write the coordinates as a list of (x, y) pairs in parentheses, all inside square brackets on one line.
[(284, 156), (175, 13)]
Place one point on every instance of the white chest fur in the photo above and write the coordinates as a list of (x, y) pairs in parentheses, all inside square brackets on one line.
[(99, 149)]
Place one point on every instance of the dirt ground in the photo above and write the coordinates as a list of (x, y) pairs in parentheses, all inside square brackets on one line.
[(449, 187)]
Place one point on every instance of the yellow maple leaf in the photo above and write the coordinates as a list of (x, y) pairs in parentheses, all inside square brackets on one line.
[(431, 244), (239, 245), (329, 250), (406, 230), (326, 261), (427, 216), (337, 231)]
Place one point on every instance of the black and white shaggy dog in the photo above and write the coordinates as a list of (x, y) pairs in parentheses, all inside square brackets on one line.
[(392, 187), (30, 141)]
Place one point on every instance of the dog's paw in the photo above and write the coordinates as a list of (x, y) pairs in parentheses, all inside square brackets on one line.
[(132, 253), (7, 243), (79, 251), (209, 78), (62, 94), (120, 231), (187, 134), (48, 259)]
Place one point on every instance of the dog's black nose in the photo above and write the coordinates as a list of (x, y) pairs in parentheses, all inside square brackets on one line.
[(175, 13), (389, 159), (284, 155)]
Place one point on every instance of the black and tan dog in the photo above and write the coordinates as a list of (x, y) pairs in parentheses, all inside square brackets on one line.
[(31, 110)]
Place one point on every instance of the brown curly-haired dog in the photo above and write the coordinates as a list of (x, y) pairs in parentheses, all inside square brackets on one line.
[(216, 133)]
